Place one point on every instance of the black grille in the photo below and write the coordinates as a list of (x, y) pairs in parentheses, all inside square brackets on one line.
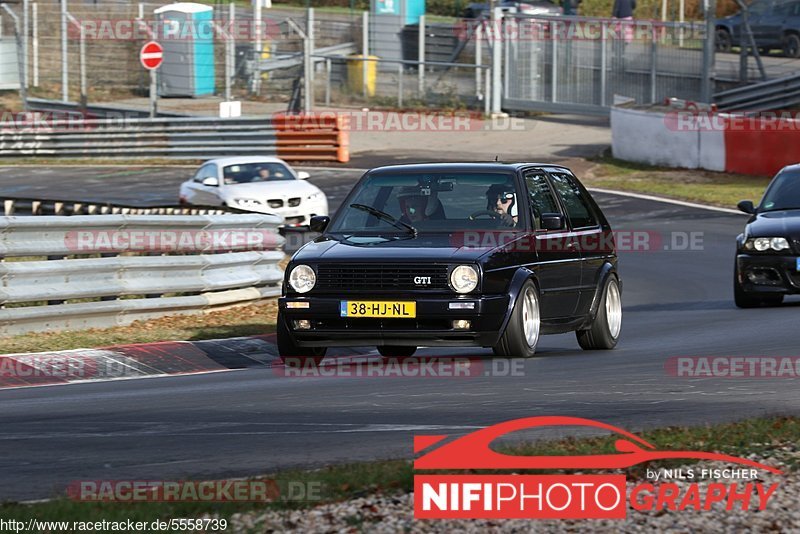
[(275, 203), (294, 202), (359, 277)]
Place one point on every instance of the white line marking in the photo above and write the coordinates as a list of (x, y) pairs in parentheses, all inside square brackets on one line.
[(99, 380), (664, 200)]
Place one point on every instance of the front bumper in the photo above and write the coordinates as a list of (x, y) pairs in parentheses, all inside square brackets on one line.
[(768, 273), (432, 325), (294, 216)]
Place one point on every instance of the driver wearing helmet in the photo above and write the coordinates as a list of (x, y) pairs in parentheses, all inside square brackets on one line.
[(502, 200)]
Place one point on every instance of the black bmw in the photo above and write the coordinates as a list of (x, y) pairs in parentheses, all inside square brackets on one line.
[(768, 252), (481, 254)]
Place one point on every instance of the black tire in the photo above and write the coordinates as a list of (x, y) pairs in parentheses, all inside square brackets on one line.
[(396, 351), (723, 41), (743, 299), (791, 45), (515, 341), (291, 353), (604, 331)]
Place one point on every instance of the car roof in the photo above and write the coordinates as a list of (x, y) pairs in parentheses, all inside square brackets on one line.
[(239, 160), (793, 169), (492, 166)]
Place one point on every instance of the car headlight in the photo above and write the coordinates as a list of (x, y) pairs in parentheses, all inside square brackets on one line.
[(464, 279), (247, 202), (762, 244), (302, 278)]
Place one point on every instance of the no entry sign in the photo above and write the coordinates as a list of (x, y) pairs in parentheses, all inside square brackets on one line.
[(152, 55)]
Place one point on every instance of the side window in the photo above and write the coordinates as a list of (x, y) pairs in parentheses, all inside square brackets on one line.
[(783, 10), (578, 209), (206, 171), (758, 8), (540, 194)]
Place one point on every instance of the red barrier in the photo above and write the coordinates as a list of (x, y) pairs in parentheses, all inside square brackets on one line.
[(321, 137), (760, 146)]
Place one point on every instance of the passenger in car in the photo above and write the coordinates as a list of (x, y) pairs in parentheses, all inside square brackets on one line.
[(416, 206)]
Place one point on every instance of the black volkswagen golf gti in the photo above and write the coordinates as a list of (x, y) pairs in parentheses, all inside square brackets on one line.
[(768, 252), (479, 254)]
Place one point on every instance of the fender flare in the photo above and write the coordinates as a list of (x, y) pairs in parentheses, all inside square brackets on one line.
[(603, 274), (522, 275)]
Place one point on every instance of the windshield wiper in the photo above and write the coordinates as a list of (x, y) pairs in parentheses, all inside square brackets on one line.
[(385, 217)]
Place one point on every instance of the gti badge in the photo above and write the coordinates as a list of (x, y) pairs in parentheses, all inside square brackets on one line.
[(422, 280)]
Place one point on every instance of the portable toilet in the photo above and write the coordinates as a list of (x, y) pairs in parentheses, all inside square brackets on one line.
[(186, 32), (387, 20)]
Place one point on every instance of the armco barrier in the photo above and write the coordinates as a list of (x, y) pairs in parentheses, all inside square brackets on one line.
[(179, 137), (655, 138), (38, 206), (148, 266), (755, 144)]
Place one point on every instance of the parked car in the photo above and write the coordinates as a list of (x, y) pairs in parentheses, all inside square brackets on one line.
[(768, 252), (455, 254), (258, 184), (774, 23), (534, 7)]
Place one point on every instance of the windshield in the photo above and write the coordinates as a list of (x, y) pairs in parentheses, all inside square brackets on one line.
[(245, 173), (783, 193), (432, 202)]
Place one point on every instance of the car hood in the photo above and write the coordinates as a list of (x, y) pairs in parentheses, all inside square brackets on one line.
[(276, 189), (424, 247), (781, 223)]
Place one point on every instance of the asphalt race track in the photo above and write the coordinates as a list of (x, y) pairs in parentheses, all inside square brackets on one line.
[(254, 421), (140, 186)]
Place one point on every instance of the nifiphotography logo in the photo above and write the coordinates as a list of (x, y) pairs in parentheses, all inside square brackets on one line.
[(572, 496)]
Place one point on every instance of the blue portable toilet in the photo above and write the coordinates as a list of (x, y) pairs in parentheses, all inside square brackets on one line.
[(186, 32), (388, 18)]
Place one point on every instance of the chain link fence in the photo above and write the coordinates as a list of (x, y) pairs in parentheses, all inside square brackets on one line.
[(82, 52), (574, 63)]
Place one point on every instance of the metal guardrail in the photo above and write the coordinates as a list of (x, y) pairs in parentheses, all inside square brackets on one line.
[(98, 111), (38, 206), (179, 137), (779, 93), (132, 267)]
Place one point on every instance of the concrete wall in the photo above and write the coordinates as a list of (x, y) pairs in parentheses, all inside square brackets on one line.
[(670, 139)]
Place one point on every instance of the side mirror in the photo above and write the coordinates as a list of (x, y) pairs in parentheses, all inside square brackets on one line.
[(319, 223), (211, 181), (303, 175), (746, 206), (552, 221)]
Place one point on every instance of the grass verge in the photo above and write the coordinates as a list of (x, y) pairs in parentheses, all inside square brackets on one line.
[(337, 483), (704, 187), (248, 320)]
